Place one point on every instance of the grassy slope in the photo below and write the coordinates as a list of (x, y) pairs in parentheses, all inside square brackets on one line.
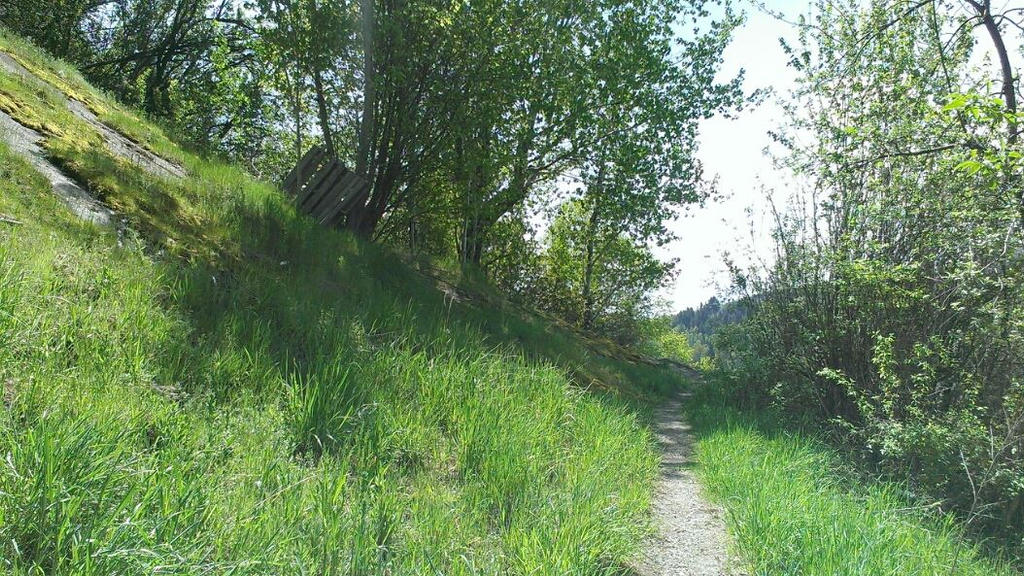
[(225, 387), (794, 511)]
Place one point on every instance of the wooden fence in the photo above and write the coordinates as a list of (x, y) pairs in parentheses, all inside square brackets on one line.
[(323, 187)]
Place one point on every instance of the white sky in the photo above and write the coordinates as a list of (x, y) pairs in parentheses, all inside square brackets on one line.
[(733, 151)]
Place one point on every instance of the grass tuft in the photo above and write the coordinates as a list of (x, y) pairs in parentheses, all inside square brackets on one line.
[(320, 407)]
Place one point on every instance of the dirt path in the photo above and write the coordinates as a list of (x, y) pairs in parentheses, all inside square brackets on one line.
[(692, 539)]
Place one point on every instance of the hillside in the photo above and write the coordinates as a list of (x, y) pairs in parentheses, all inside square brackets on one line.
[(210, 383)]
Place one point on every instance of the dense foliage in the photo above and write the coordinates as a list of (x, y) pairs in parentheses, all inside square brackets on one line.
[(894, 312), (467, 118)]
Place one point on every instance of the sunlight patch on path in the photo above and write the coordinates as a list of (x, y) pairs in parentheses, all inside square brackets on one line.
[(118, 144)]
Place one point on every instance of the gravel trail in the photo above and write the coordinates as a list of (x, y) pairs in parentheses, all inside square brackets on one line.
[(692, 539)]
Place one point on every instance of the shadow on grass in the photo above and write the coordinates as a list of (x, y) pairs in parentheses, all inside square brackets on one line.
[(299, 293)]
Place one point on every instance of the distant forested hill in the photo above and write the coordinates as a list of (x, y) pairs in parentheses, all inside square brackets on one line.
[(701, 323)]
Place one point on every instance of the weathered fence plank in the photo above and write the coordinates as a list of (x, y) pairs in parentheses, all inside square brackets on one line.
[(347, 189), (299, 175), (315, 184), (323, 187)]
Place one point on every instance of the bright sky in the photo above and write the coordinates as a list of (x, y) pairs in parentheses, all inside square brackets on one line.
[(733, 151)]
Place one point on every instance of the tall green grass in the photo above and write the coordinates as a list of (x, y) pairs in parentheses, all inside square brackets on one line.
[(221, 386), (794, 509)]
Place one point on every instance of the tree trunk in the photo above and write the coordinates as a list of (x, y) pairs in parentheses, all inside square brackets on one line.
[(472, 248), (475, 217), (589, 311), (360, 220), (1008, 91), (322, 112), (297, 110), (367, 125), (588, 275), (368, 212)]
